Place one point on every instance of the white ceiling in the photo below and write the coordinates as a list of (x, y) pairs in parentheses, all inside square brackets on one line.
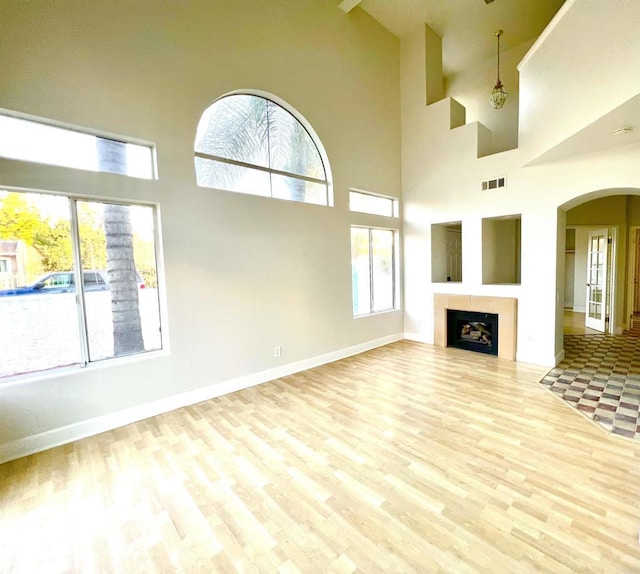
[(467, 27), (601, 134)]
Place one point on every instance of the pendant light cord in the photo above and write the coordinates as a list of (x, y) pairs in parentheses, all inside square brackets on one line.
[(498, 34)]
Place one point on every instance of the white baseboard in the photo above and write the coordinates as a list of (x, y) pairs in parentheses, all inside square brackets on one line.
[(55, 437), (579, 309), (418, 338), (559, 357), (549, 361)]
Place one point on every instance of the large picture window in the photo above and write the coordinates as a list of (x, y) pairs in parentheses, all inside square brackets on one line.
[(250, 144), (55, 244), (374, 270)]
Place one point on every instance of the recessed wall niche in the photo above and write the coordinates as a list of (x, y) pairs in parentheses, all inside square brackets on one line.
[(446, 252), (501, 250)]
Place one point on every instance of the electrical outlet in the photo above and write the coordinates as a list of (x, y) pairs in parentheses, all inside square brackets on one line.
[(277, 351)]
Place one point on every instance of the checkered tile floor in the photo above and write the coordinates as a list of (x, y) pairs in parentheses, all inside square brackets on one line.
[(600, 377)]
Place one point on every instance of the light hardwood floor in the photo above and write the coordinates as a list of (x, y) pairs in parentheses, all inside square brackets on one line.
[(408, 458), (573, 324)]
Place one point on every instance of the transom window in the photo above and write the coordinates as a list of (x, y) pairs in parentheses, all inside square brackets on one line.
[(40, 142), (374, 204), (249, 144)]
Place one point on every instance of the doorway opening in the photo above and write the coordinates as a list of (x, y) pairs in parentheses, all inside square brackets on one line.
[(618, 269), (590, 274)]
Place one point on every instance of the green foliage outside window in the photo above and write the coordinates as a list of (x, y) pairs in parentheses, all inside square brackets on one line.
[(47, 237)]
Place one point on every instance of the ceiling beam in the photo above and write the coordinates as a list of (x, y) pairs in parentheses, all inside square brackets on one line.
[(348, 5)]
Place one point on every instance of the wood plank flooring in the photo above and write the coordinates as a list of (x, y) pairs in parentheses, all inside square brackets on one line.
[(573, 324), (408, 458)]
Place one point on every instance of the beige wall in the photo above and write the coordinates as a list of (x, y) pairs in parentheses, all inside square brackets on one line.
[(242, 274), (580, 269), (604, 211), (501, 250), (633, 210)]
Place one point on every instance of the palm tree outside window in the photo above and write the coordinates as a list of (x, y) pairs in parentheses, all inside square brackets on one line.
[(250, 144)]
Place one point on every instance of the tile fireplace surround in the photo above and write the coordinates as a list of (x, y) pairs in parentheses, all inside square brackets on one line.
[(505, 307)]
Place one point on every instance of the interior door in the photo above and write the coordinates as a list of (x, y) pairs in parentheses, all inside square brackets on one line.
[(597, 279)]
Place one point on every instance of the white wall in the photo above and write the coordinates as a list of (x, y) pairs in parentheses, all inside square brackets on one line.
[(243, 274), (441, 182), (585, 64), (469, 86)]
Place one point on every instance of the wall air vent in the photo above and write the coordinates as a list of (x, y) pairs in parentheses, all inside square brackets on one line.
[(495, 183)]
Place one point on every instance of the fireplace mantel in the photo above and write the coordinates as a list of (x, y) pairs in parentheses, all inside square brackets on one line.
[(505, 307)]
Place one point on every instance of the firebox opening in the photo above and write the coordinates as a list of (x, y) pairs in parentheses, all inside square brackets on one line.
[(472, 331)]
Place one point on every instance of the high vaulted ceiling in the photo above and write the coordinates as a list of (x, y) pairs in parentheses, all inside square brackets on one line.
[(466, 27)]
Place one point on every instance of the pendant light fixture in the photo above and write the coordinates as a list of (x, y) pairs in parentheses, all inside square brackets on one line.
[(498, 95)]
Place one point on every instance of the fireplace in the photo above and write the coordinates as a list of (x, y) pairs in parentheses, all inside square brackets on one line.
[(506, 308), (473, 331)]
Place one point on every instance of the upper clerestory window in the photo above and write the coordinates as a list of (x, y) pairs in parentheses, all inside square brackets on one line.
[(250, 144), (33, 140), (373, 204)]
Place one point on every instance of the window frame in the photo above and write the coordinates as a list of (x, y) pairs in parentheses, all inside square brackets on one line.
[(395, 264), (326, 182), (77, 277), (47, 123), (394, 203)]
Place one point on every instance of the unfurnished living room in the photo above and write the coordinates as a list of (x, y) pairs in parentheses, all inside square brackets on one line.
[(308, 286)]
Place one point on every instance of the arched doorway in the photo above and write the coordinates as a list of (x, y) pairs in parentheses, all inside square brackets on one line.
[(599, 371), (612, 215)]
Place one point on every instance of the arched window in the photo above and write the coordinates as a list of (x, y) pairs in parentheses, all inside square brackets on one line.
[(250, 144)]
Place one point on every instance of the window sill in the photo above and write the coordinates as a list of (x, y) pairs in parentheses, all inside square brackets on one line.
[(376, 313), (70, 370)]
